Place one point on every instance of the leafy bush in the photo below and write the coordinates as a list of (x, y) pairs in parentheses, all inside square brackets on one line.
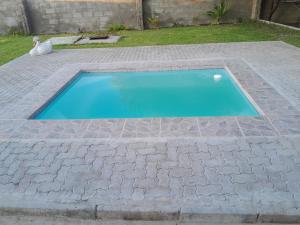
[(219, 11), (117, 27), (154, 22)]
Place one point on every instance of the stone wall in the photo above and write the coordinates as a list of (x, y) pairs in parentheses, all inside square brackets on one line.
[(193, 12), (12, 18), (56, 16), (71, 16)]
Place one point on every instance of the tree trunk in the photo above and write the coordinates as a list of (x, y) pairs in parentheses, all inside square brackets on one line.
[(274, 7), (256, 8)]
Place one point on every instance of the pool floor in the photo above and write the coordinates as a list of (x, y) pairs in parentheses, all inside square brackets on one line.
[(183, 93)]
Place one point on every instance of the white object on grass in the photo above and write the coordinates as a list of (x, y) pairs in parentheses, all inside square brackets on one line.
[(40, 48)]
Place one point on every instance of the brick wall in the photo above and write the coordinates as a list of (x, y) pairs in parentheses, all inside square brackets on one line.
[(12, 18), (56, 16), (193, 12), (71, 16)]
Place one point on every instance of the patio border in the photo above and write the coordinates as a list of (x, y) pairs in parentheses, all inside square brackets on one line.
[(95, 214)]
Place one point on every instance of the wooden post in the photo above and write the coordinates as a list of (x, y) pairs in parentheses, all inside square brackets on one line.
[(256, 7), (140, 19), (26, 22)]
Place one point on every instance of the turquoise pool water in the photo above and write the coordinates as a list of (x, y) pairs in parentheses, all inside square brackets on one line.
[(184, 93)]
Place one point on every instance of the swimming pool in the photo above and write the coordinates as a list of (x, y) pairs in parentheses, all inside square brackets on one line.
[(180, 93)]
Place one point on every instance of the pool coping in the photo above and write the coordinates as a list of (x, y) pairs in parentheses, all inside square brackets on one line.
[(277, 114)]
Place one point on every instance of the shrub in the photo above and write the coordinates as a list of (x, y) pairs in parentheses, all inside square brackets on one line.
[(154, 22), (116, 27), (219, 11)]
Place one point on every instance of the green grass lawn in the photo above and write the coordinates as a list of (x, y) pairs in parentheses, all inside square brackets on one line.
[(14, 46)]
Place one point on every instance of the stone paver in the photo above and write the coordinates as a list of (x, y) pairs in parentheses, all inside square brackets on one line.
[(235, 165), (277, 115), (254, 175), (20, 76)]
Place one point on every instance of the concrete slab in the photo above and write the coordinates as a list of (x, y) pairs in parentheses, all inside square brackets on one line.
[(69, 40), (110, 40), (21, 220), (30, 220)]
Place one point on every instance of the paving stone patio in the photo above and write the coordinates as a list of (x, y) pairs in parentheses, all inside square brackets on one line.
[(232, 165)]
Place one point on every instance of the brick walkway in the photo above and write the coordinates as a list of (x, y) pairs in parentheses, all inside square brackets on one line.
[(239, 170), (229, 175)]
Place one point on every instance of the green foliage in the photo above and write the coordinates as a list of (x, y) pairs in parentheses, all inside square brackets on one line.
[(219, 11), (117, 27), (13, 46), (154, 22)]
